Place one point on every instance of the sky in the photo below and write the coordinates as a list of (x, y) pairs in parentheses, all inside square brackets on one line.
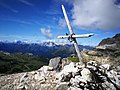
[(43, 20)]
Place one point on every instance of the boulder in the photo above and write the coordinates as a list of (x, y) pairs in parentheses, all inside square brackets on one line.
[(56, 63), (66, 73), (62, 86), (86, 74), (65, 61)]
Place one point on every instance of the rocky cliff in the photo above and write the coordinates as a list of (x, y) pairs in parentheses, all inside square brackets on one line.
[(61, 74), (108, 51), (111, 44), (113, 40)]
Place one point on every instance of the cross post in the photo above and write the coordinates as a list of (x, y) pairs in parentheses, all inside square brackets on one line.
[(72, 37)]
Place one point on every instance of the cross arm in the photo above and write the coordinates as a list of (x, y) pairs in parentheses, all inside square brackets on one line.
[(76, 36), (82, 36), (63, 37)]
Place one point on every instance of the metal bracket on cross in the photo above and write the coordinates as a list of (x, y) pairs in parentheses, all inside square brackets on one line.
[(72, 37)]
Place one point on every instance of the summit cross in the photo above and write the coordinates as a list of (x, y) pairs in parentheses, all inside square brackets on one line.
[(72, 37)]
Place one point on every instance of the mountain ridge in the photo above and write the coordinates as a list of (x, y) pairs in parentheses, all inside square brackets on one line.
[(48, 49), (113, 40), (107, 51)]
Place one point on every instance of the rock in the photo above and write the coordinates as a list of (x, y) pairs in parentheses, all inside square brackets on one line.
[(46, 68), (67, 72), (86, 74), (62, 86), (79, 79), (107, 47), (73, 76), (105, 66), (92, 63), (118, 68), (108, 86), (79, 66), (39, 77), (23, 78), (56, 63), (92, 67), (94, 53), (74, 88), (73, 81), (70, 68), (65, 61), (113, 77), (111, 41), (22, 84)]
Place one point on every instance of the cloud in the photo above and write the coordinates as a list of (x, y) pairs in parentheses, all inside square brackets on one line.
[(19, 37), (8, 7), (22, 21), (62, 23), (10, 36), (18, 21), (96, 14), (46, 32), (26, 2)]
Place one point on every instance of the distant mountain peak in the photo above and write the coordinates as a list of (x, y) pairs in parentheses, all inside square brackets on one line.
[(114, 40), (49, 44)]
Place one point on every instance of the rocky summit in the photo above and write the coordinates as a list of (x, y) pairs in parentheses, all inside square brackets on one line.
[(107, 52), (65, 75)]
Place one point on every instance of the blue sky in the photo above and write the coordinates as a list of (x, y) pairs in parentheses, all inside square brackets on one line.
[(41, 20)]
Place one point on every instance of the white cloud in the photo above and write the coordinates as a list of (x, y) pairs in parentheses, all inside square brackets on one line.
[(96, 14), (26, 2), (18, 21), (62, 23), (46, 32), (8, 7)]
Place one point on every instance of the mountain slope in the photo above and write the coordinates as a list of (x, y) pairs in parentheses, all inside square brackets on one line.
[(46, 49), (18, 62), (113, 40), (110, 46), (108, 51)]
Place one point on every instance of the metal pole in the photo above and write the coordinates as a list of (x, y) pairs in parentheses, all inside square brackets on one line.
[(78, 51)]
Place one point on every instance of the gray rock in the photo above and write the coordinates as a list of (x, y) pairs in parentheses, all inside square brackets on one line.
[(73, 76), (56, 63), (79, 79), (118, 68), (105, 66), (86, 74), (62, 86), (94, 53), (67, 72), (65, 61), (108, 46)]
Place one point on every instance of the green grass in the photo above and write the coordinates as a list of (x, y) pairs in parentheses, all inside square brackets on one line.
[(73, 59), (76, 59), (17, 62)]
